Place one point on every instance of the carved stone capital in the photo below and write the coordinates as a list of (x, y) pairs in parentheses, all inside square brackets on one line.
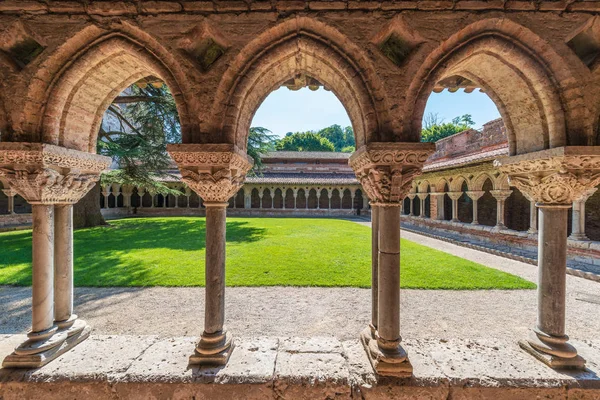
[(501, 194), (557, 176), (214, 171), (386, 170), (422, 196), (48, 174), (475, 195), (454, 195)]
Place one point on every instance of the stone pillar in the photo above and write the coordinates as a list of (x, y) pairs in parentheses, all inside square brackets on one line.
[(352, 197), (176, 201), (475, 196), (106, 194), (318, 199), (578, 220), (454, 196), (295, 198), (141, 193), (374, 268), (247, 198), (127, 199), (411, 196), (10, 193), (554, 179), (216, 172), (532, 217), (386, 182), (261, 192), (45, 176), (329, 193), (500, 196), (436, 211), (307, 194), (422, 197)]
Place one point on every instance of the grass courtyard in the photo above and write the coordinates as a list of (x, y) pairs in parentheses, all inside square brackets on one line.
[(260, 252)]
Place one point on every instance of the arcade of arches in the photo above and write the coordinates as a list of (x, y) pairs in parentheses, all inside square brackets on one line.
[(62, 64)]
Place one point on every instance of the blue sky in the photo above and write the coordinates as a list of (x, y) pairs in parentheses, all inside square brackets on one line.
[(303, 110)]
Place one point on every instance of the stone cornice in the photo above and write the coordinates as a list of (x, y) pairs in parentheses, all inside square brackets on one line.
[(386, 170), (557, 176), (146, 7)]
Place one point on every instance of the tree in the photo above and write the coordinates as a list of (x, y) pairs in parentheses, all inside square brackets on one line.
[(435, 129), (260, 141), (340, 137), (146, 121), (304, 141)]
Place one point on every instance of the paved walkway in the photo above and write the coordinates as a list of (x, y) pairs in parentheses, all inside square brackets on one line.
[(338, 312)]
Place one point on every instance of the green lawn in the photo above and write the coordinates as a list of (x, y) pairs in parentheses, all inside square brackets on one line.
[(260, 252)]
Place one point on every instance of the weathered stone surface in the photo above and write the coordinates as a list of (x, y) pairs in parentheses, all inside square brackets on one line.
[(320, 344)]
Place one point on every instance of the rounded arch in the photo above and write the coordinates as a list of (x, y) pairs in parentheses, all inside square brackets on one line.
[(88, 78), (521, 73), (301, 46)]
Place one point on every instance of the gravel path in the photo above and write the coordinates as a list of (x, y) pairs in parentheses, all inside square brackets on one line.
[(339, 312)]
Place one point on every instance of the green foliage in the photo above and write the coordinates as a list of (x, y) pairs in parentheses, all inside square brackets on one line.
[(435, 128), (139, 145), (260, 252), (260, 141), (349, 149), (332, 138), (304, 141)]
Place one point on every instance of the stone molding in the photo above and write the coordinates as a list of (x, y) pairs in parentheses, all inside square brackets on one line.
[(216, 172), (475, 195), (501, 194), (386, 170), (557, 176), (49, 174), (454, 195)]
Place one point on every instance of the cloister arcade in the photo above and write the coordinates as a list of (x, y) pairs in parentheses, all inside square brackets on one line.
[(221, 59)]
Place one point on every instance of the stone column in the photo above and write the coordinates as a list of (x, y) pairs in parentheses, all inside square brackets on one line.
[(532, 217), (578, 220), (422, 197), (45, 176), (437, 211), (216, 172), (386, 182), (374, 269), (554, 179), (261, 192), (306, 194), (500, 196), (10, 193), (454, 196), (329, 194), (295, 198), (352, 197), (475, 196), (411, 196), (141, 193), (247, 198), (318, 199), (106, 194), (176, 201)]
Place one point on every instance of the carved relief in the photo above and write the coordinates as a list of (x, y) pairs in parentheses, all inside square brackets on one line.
[(48, 174), (557, 179), (216, 172), (386, 170)]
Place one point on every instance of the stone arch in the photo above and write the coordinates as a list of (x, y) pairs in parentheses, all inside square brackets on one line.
[(525, 77), (88, 78), (456, 185), (478, 181), (298, 46), (423, 186)]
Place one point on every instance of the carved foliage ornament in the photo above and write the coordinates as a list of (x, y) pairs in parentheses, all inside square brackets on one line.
[(48, 186), (217, 187), (386, 175), (558, 180)]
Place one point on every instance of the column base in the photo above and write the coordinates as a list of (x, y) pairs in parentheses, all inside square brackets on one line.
[(579, 237), (71, 326), (61, 343), (213, 349), (384, 363), (553, 351)]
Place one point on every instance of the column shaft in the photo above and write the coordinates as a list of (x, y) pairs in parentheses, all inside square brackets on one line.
[(455, 210), (63, 262), (533, 212), (388, 315), (475, 220), (552, 273), (374, 263), (42, 268), (215, 267)]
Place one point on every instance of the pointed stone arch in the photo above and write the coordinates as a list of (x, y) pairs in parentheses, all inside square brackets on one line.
[(88, 72), (524, 76), (301, 45)]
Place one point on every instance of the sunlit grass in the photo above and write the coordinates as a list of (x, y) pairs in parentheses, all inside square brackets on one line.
[(260, 252)]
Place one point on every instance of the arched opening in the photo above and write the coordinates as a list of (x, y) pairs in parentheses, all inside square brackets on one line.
[(336, 201), (301, 200), (289, 199), (254, 199), (517, 214), (427, 202), (358, 200), (416, 204), (447, 204), (239, 199), (312, 199), (487, 208), (278, 199), (592, 216), (267, 199), (406, 206), (465, 205)]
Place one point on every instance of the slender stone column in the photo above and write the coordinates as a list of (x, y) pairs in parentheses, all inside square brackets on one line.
[(261, 193), (248, 199), (533, 212), (176, 201), (352, 197), (295, 199), (216, 172), (435, 205), (141, 193), (454, 196), (106, 194), (318, 199), (578, 221), (554, 179), (386, 182), (45, 175), (475, 196), (374, 268), (307, 194), (411, 196), (10, 193), (422, 197), (500, 196)]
